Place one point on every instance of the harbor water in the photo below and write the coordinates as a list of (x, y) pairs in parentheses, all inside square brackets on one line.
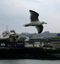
[(29, 61)]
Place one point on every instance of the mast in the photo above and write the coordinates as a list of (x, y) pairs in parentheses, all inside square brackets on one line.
[(6, 27)]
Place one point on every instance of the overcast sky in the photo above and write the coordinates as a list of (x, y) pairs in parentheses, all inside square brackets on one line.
[(15, 13)]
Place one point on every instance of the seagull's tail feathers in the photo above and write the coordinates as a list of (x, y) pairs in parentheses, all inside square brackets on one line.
[(26, 25)]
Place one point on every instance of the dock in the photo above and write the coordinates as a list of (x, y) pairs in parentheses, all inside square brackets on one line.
[(26, 53)]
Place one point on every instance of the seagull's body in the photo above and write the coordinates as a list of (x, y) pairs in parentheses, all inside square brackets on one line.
[(35, 21)]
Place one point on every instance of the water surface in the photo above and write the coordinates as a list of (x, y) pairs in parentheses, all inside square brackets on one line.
[(29, 61)]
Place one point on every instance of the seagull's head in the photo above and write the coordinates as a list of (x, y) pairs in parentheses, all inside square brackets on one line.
[(43, 22)]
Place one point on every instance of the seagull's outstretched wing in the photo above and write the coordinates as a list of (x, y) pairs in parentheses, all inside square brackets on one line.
[(34, 16), (39, 28)]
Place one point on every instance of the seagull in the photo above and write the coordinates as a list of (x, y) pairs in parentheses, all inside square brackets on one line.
[(35, 21)]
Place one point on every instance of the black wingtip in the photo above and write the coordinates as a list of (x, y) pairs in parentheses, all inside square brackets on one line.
[(33, 11), (39, 32)]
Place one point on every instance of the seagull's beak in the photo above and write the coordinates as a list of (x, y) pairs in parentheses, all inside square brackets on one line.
[(45, 23)]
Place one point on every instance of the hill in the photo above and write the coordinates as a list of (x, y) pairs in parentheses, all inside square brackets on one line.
[(36, 35)]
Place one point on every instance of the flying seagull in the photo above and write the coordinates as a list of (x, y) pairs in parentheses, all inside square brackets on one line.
[(35, 21)]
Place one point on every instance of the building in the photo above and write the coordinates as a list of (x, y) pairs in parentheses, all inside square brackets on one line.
[(48, 41)]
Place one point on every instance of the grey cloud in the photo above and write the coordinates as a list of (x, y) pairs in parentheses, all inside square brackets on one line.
[(14, 12)]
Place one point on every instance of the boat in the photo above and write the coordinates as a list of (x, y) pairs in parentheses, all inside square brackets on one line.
[(12, 46)]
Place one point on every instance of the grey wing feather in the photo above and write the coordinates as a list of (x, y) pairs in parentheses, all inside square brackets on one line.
[(39, 28), (34, 15)]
